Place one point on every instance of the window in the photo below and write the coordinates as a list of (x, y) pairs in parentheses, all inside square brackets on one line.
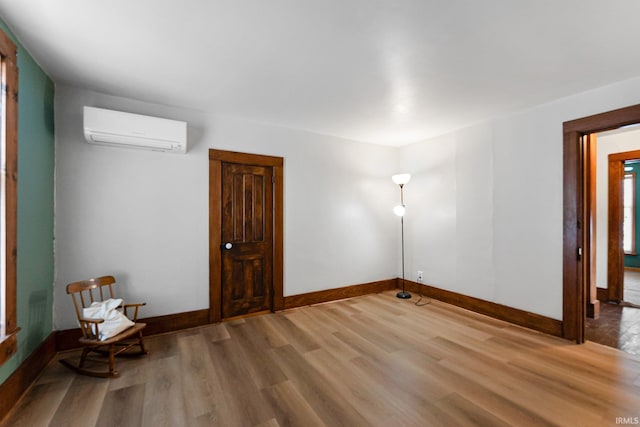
[(8, 195), (629, 213)]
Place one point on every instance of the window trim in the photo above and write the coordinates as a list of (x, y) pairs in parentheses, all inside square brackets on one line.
[(632, 177), (9, 77)]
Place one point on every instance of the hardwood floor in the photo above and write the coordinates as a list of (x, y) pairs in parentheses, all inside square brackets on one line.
[(367, 361), (617, 326)]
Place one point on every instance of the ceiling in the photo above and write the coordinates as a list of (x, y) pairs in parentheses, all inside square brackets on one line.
[(381, 71)]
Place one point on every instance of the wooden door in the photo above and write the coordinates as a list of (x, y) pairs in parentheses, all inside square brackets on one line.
[(243, 236), (589, 152), (615, 258), (247, 239)]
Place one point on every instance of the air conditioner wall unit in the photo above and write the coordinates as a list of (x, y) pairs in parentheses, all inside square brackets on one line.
[(127, 130)]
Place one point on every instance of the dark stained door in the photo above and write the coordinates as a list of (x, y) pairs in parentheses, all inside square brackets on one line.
[(247, 239)]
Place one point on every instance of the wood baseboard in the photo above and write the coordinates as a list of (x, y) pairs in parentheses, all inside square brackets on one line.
[(602, 294), (529, 320), (68, 339), (632, 268), (12, 389), (327, 295)]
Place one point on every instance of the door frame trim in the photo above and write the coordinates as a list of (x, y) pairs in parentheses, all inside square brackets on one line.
[(574, 289), (216, 158), (615, 275)]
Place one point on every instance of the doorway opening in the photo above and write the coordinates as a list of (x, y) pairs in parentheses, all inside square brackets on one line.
[(621, 204), (630, 291), (610, 180), (579, 291)]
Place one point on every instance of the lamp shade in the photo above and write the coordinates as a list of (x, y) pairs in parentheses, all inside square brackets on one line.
[(401, 178), (399, 210)]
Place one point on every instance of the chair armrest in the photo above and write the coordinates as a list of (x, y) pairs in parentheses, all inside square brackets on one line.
[(82, 319), (89, 328), (135, 307)]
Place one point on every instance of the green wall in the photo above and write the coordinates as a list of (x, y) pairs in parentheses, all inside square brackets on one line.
[(35, 207)]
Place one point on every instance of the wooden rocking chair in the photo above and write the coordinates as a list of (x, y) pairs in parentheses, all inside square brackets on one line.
[(86, 292)]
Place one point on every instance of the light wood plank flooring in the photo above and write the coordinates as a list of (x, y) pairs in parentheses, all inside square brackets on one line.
[(368, 361)]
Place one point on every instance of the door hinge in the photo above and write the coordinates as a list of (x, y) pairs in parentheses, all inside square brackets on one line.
[(579, 254)]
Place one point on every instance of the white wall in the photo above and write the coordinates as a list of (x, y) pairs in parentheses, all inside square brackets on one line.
[(484, 206), (608, 143), (143, 216), (485, 203)]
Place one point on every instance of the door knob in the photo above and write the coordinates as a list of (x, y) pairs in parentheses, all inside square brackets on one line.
[(228, 245)]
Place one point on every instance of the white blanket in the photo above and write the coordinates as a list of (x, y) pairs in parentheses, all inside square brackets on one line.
[(114, 320)]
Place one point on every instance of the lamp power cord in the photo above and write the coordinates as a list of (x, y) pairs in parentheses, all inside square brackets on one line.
[(426, 302)]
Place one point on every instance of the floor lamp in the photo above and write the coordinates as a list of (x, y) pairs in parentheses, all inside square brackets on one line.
[(401, 180)]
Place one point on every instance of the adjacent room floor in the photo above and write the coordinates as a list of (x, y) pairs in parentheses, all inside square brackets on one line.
[(619, 324), (617, 327), (368, 361), (632, 287)]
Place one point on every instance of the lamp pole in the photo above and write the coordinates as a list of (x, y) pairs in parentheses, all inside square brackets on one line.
[(402, 294)]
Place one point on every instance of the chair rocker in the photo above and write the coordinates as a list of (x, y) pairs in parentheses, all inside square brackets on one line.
[(84, 293)]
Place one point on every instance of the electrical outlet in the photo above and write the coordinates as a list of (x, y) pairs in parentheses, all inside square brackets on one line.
[(419, 276)]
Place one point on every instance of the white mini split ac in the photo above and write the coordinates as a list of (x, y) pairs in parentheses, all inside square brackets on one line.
[(118, 129)]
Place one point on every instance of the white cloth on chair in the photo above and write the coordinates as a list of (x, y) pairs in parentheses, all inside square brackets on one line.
[(114, 320)]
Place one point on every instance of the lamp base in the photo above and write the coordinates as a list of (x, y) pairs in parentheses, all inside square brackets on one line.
[(403, 295)]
